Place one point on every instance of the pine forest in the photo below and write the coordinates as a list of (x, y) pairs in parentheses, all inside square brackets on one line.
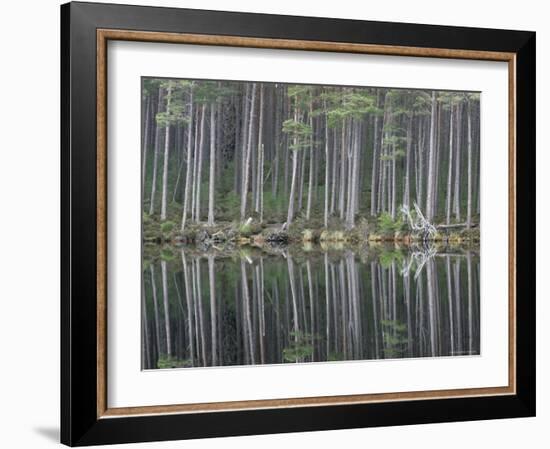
[(288, 223)]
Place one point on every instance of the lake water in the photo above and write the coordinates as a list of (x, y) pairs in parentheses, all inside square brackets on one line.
[(246, 306)]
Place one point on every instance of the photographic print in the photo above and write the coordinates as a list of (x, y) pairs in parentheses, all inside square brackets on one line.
[(304, 221), (293, 223)]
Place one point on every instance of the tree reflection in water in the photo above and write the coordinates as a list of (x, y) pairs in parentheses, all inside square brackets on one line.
[(243, 307)]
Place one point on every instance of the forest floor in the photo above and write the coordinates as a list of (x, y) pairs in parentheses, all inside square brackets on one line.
[(256, 234), (255, 249)]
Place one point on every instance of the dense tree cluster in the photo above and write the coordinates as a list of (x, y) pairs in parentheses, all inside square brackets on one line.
[(221, 151)]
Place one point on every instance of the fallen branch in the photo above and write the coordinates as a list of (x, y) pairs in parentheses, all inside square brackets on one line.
[(455, 225), (419, 223)]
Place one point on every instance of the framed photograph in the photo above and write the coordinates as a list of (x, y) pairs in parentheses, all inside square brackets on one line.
[(280, 224)]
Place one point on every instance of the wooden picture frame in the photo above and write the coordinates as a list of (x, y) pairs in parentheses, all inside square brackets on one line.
[(85, 417)]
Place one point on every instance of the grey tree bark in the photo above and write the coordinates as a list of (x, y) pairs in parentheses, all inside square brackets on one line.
[(327, 170), (375, 160), (469, 186), (166, 155), (431, 163), (199, 166), (155, 156), (457, 162), (311, 165), (406, 189), (246, 168), (189, 158), (290, 214), (260, 167), (450, 168), (145, 139), (212, 179)]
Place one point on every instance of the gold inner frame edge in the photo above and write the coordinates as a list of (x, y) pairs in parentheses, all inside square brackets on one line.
[(104, 35)]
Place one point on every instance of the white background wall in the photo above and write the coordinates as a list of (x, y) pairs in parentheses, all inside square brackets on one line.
[(29, 223)]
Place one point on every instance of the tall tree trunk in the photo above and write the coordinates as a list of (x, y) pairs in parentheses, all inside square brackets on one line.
[(145, 142), (438, 133), (311, 164), (155, 155), (195, 161), (244, 113), (261, 183), (181, 159), (290, 214), (476, 192), (407, 189), (287, 153), (383, 188), (327, 169), (166, 155), (420, 171), (334, 172), (469, 201), (188, 165), (457, 160), (478, 154), (375, 159), (350, 155), (355, 164), (246, 168), (276, 156), (431, 163), (301, 176), (260, 168), (199, 166), (450, 168), (342, 193), (212, 165), (393, 185)]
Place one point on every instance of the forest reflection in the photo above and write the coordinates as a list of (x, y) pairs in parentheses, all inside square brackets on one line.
[(220, 308)]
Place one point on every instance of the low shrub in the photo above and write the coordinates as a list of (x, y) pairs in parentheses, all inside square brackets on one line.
[(388, 225), (167, 227)]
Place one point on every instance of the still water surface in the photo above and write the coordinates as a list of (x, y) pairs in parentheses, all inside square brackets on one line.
[(249, 306)]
